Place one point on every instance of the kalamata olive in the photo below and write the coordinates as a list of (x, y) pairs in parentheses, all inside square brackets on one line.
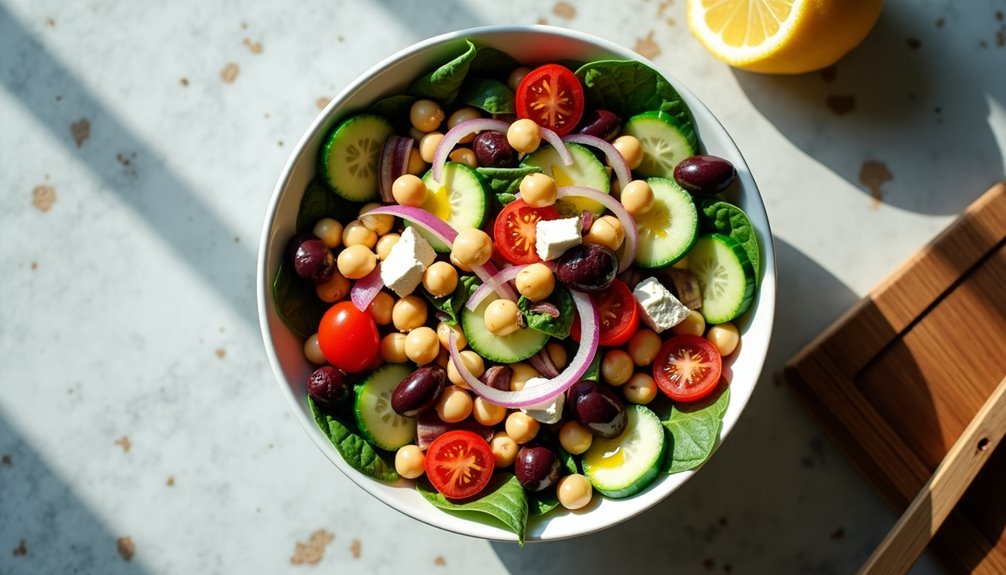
[(702, 174), (597, 408), (600, 123), (498, 377), (492, 150), (328, 388), (312, 259), (536, 467), (587, 267), (419, 391)]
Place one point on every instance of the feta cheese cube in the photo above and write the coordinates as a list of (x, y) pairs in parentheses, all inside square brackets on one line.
[(403, 269), (549, 411), (553, 237), (661, 310)]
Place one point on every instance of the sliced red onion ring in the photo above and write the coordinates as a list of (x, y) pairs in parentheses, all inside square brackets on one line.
[(365, 289), (628, 223), (589, 337), (615, 159), (555, 140), (394, 163), (499, 278), (456, 134)]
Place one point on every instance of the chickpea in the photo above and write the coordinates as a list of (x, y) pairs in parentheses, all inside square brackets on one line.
[(312, 350), (516, 76), (357, 234), (328, 231), (428, 145), (472, 247), (440, 279), (334, 289), (463, 115), (444, 331), (473, 363), (454, 405), (524, 136), (644, 346), (637, 197), (381, 224), (535, 282), (575, 438), (640, 389), (693, 324), (459, 265), (443, 358), (385, 244), (557, 354), (409, 190), (393, 348), (416, 164), (409, 313), (426, 115), (574, 491), (606, 231), (422, 345), (488, 413), (724, 337), (617, 367), (521, 373), (538, 190), (521, 427), (631, 150), (501, 317), (380, 308), (410, 461), (356, 261), (504, 449), (464, 156)]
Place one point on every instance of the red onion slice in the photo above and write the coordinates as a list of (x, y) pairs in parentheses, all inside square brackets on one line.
[(615, 159), (555, 140), (628, 223), (365, 289), (456, 134), (499, 278), (394, 163), (589, 337)]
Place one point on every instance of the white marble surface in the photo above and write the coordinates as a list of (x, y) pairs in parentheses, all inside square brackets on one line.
[(127, 308)]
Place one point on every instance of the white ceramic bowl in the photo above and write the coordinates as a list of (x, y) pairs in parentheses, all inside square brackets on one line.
[(529, 45)]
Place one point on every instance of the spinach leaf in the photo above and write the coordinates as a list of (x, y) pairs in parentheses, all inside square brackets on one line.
[(505, 182), (492, 96), (395, 109), (728, 219), (452, 305), (492, 62), (593, 372), (503, 501), (628, 88), (693, 430), (443, 83), (354, 449), (319, 201), (296, 302), (557, 327), (541, 503)]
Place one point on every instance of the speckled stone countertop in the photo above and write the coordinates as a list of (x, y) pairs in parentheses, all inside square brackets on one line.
[(140, 427)]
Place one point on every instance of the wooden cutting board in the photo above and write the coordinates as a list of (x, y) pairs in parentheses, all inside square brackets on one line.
[(897, 379)]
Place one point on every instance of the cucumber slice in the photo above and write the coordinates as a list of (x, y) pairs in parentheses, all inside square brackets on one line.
[(586, 170), (351, 155), (669, 229), (625, 465), (664, 140), (460, 200), (512, 348), (378, 423), (725, 275)]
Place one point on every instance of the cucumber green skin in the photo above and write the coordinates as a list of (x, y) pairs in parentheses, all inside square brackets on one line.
[(341, 132), (747, 270), (674, 130), (632, 485), (587, 163), (687, 215), (512, 348), (384, 379), (481, 194)]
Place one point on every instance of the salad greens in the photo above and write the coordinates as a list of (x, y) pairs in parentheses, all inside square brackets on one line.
[(319, 202), (451, 306), (728, 219), (557, 327), (505, 182), (694, 430), (488, 95), (296, 303), (503, 501), (353, 447)]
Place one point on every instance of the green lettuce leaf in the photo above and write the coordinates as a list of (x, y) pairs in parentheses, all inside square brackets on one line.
[(444, 83), (492, 63), (354, 449), (487, 94), (395, 109), (693, 430), (296, 302), (729, 220), (318, 202), (503, 502), (452, 305), (505, 182), (557, 327)]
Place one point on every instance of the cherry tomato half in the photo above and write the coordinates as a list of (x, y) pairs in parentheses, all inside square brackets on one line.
[(687, 367), (617, 312), (459, 464), (515, 231), (348, 337), (552, 96)]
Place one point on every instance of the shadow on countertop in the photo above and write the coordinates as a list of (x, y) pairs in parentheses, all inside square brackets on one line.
[(899, 117)]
